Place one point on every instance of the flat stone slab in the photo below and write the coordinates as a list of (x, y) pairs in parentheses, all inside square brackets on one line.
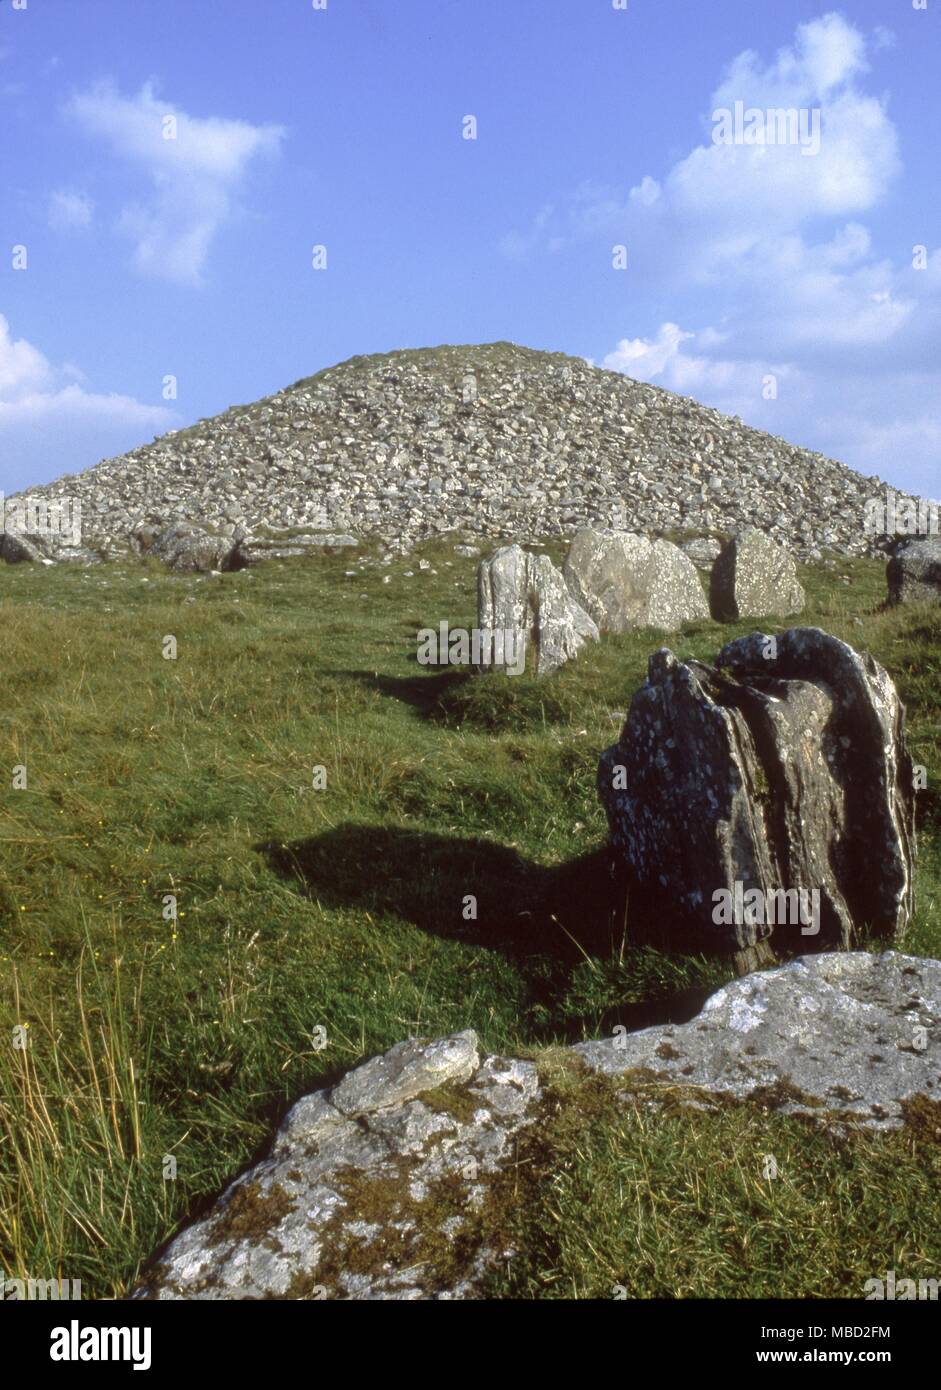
[(852, 1033)]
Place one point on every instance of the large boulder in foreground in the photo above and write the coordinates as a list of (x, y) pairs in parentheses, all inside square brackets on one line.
[(754, 578), (382, 1188), (914, 571), (523, 603), (769, 801), (625, 581), (367, 1187), (849, 1035)]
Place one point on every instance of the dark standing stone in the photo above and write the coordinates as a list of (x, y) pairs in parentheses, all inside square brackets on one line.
[(790, 772), (914, 571)]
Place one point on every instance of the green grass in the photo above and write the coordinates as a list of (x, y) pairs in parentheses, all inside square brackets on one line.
[(301, 908), (615, 1199)]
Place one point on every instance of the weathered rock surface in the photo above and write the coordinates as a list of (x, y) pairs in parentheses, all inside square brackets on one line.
[(17, 548), (379, 1189), (189, 549), (754, 578), (914, 571), (365, 1187), (856, 1034), (395, 446), (250, 549), (703, 551), (625, 581), (526, 596), (788, 773), (404, 1072)]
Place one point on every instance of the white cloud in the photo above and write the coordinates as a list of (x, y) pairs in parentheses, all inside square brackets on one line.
[(45, 414), (195, 167), (519, 245), (643, 359), (768, 244), (23, 368), (740, 190), (69, 210), (667, 361)]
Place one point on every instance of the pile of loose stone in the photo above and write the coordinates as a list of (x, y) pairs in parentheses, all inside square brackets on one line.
[(495, 439)]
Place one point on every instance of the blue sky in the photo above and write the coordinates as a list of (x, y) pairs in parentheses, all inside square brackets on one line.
[(190, 257)]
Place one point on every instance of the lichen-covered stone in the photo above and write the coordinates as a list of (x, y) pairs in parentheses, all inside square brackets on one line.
[(189, 549), (393, 1202), (753, 578), (703, 551), (784, 769), (526, 596), (853, 1034), (625, 581), (914, 571), (405, 1071), (366, 1188)]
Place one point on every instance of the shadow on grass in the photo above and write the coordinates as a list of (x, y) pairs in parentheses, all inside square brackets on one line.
[(520, 908), (493, 703), (424, 693), (543, 920)]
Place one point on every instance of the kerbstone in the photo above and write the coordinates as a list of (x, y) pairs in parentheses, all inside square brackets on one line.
[(754, 577), (626, 581)]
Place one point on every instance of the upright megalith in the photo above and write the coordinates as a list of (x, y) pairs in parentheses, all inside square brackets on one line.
[(914, 571), (191, 549), (524, 607), (766, 801), (754, 578), (626, 581)]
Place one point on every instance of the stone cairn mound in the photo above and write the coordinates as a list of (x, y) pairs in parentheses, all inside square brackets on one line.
[(494, 439)]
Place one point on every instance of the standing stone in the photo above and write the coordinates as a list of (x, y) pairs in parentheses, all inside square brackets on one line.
[(625, 581), (523, 598), (190, 549), (752, 578), (790, 773), (17, 548), (703, 551), (914, 571)]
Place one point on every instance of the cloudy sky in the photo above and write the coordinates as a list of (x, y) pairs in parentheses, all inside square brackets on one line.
[(170, 166)]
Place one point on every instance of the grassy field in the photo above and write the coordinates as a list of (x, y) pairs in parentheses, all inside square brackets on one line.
[(339, 908)]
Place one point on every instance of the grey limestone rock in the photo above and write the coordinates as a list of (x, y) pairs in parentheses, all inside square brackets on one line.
[(754, 577), (360, 1204), (914, 571), (855, 1034), (625, 581), (523, 602)]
